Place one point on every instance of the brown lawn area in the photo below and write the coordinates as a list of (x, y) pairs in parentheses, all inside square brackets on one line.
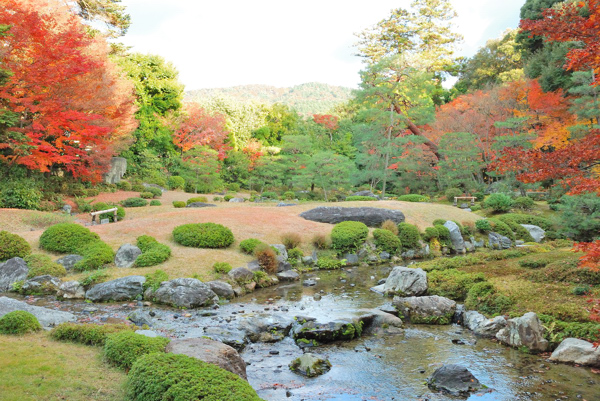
[(247, 220)]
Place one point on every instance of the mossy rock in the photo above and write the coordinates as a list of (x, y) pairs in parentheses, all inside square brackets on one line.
[(310, 365)]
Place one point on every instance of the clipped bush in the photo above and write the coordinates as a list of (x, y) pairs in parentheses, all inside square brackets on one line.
[(475, 208), (96, 277), (228, 197), (138, 188), (498, 202), (40, 265), (155, 202), (87, 333), (452, 193), (146, 195), (483, 225), (321, 241), (122, 349), (329, 263), (267, 258), (534, 263), (66, 238), (134, 202), (153, 280), (176, 182), (13, 246), (523, 203), (270, 195), (156, 192), (160, 377), (178, 204), (479, 197), (443, 235), (409, 236), (484, 297), (289, 195), (430, 234), (386, 241), (502, 228), (348, 236), (360, 198), (18, 323), (249, 245), (519, 231), (203, 235), (95, 255), (124, 186), (20, 195), (222, 267), (291, 240), (391, 226), (201, 199), (413, 198), (153, 252), (452, 283), (295, 254), (527, 219), (439, 222)]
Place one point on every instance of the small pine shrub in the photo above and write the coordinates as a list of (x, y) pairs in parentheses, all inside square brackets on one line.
[(386, 241), (269, 195), (321, 241), (291, 240), (390, 226), (228, 197), (13, 246), (122, 349), (519, 231), (329, 263), (176, 182), (222, 267), (431, 233), (413, 198), (124, 186), (499, 203), (95, 255), (479, 197), (203, 235), (348, 236), (201, 199), (18, 323), (295, 253), (528, 219), (483, 226), (40, 265), (360, 198), (156, 192), (87, 333), (96, 277), (98, 206), (443, 235), (138, 188), (155, 202), (146, 195), (475, 208), (66, 238), (267, 258), (409, 236), (439, 222), (484, 297), (154, 279), (452, 193), (523, 203), (452, 283), (289, 195), (178, 204), (153, 252), (134, 202), (249, 245), (502, 228)]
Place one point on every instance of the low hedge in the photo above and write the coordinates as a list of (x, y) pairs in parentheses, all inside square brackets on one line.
[(528, 219), (160, 376), (409, 236), (502, 228), (249, 245), (134, 202), (178, 204), (146, 195), (40, 265), (66, 238), (87, 333), (329, 263), (95, 255), (203, 235), (451, 283), (360, 198), (124, 348), (153, 252), (13, 246), (413, 198), (348, 236), (386, 241), (155, 202), (153, 280), (484, 297), (157, 193), (176, 182), (195, 199), (222, 267), (18, 323)]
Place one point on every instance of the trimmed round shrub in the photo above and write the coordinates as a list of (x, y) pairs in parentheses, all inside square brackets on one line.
[(413, 198), (502, 228), (484, 297), (12, 246), (498, 202), (386, 241), (87, 333), (390, 226), (475, 208), (360, 198), (452, 193), (291, 240), (203, 235), (153, 252), (122, 349), (528, 219), (138, 188), (270, 195), (288, 195), (66, 238), (20, 195), (523, 203), (295, 253), (430, 233), (228, 197), (347, 236), (161, 376), (95, 255), (18, 323), (409, 236), (153, 280), (519, 231), (155, 202), (483, 225), (178, 204), (145, 242), (134, 202), (249, 245), (443, 235), (195, 199), (222, 267), (176, 182), (40, 265), (157, 193), (146, 195), (439, 222), (267, 258), (479, 197), (124, 186)]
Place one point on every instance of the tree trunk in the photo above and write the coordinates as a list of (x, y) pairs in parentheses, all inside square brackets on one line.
[(432, 146)]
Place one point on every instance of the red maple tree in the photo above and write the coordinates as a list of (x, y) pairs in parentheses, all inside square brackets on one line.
[(199, 127)]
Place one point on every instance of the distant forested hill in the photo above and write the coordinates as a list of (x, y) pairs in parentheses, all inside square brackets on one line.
[(307, 98)]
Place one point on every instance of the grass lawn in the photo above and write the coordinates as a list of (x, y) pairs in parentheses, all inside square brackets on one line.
[(33, 367)]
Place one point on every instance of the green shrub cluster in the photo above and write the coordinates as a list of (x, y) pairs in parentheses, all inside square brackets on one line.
[(40, 265), (18, 323), (295, 254), (558, 330), (222, 267), (201, 199), (443, 235), (66, 238), (386, 241), (138, 188), (451, 263), (523, 203), (160, 377), (228, 197), (453, 284), (519, 231), (270, 195), (249, 245), (156, 192), (87, 333), (122, 349), (452, 193), (134, 202), (528, 219), (203, 235), (98, 206), (485, 298), (329, 263), (95, 255), (409, 236), (439, 222), (96, 277), (154, 279), (176, 182), (155, 202), (498, 226), (178, 204), (20, 195), (124, 186), (360, 198), (483, 225), (288, 195), (413, 198), (153, 252), (348, 236), (13, 246), (565, 271), (146, 195), (498, 202), (430, 233), (534, 263)]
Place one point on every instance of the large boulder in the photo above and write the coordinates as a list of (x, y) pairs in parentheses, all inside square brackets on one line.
[(458, 243), (68, 261), (580, 352), (455, 380), (312, 332), (497, 241), (426, 310), (288, 275), (11, 271), (404, 281), (121, 289), (185, 292), (200, 204), (118, 168), (266, 328), (371, 216), (140, 317), (47, 317), (222, 289), (241, 274), (537, 233), (310, 365), (237, 200), (282, 255), (233, 337), (525, 331), (126, 255), (39, 285), (71, 290), (212, 352), (376, 321), (366, 193), (481, 325)]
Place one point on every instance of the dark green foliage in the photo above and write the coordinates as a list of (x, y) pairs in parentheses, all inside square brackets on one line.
[(134, 202), (523, 203), (96, 277), (203, 235), (195, 199), (222, 267), (176, 182), (484, 297), (451, 193), (153, 252), (291, 240), (483, 225), (452, 283), (443, 235), (87, 333), (295, 253), (498, 202), (329, 263), (13, 246), (480, 196), (155, 202), (178, 204), (359, 198), (409, 236), (20, 195), (228, 197), (95, 255), (249, 245), (146, 195), (347, 236), (533, 263), (581, 217), (386, 241), (66, 238), (565, 271), (138, 188), (439, 222), (18, 323), (430, 233), (519, 231), (160, 377), (558, 330), (581, 290), (124, 186), (527, 219), (289, 195), (153, 280), (40, 265), (502, 228), (157, 193), (124, 348), (270, 195), (413, 198)]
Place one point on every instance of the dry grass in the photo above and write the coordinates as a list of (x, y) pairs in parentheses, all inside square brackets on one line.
[(247, 220), (33, 367)]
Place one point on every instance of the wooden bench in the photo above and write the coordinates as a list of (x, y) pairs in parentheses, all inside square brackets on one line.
[(94, 214), (472, 198)]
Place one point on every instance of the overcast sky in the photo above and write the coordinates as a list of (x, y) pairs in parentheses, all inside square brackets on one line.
[(219, 43)]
